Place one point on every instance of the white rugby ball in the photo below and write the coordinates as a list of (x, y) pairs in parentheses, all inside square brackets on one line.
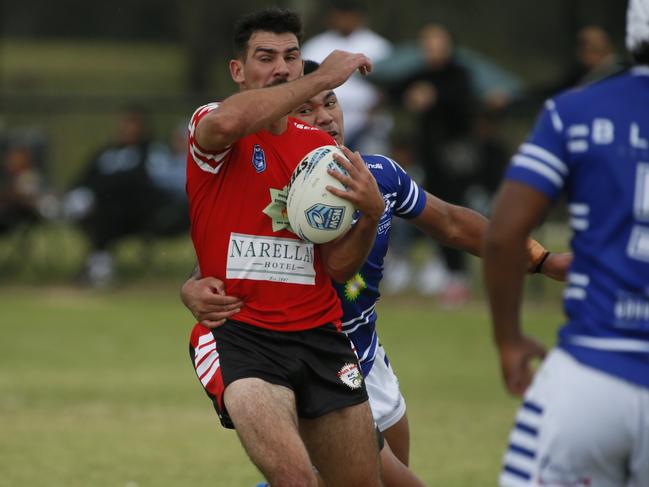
[(315, 214)]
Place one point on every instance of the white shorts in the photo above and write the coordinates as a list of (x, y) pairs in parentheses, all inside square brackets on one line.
[(387, 403), (579, 427)]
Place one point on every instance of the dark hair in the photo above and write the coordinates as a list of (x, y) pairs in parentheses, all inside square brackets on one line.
[(640, 54), (310, 66), (276, 20)]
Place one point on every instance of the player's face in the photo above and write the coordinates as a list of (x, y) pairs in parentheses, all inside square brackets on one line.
[(271, 59), (324, 112)]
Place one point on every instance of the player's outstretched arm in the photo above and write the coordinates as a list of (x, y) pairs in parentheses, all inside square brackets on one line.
[(517, 210), (252, 110), (463, 228), (205, 298), (452, 225), (344, 256)]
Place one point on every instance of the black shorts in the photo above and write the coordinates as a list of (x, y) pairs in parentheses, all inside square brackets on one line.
[(318, 364)]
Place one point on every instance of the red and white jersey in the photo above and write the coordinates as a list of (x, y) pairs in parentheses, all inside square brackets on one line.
[(279, 277)]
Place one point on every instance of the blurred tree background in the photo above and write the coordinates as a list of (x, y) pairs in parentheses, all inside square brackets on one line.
[(66, 66)]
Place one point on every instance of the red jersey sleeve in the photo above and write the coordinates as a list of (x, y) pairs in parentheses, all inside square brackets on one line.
[(209, 161)]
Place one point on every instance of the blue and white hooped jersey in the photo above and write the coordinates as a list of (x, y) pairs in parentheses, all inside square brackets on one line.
[(593, 145), (359, 295)]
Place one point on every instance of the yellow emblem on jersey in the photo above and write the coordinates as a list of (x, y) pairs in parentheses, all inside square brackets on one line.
[(276, 209), (354, 287)]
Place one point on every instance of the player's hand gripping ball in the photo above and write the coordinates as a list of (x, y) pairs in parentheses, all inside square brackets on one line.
[(315, 214)]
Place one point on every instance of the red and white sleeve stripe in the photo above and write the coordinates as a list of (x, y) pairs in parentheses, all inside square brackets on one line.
[(206, 361), (207, 160)]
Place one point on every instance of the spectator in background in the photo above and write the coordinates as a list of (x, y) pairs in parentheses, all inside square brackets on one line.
[(347, 31), (125, 190), (440, 96), (492, 155), (21, 187), (595, 59), (494, 89), (495, 86), (168, 175)]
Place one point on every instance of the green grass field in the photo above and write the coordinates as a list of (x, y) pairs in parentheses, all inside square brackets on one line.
[(96, 389)]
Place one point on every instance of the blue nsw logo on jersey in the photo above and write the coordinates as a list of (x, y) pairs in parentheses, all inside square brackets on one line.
[(325, 217), (258, 158)]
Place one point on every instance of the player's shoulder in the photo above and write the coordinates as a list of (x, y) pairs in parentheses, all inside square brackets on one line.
[(580, 104), (594, 92), (307, 133), (203, 110), (385, 170), (379, 163), (198, 115)]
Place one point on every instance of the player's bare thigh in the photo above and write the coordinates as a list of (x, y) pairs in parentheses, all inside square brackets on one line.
[(265, 419), (344, 447)]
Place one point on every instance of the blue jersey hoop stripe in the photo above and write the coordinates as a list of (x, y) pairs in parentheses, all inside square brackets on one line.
[(413, 199), (545, 156), (539, 168), (522, 451), (517, 472), (362, 317), (526, 428), (533, 407)]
